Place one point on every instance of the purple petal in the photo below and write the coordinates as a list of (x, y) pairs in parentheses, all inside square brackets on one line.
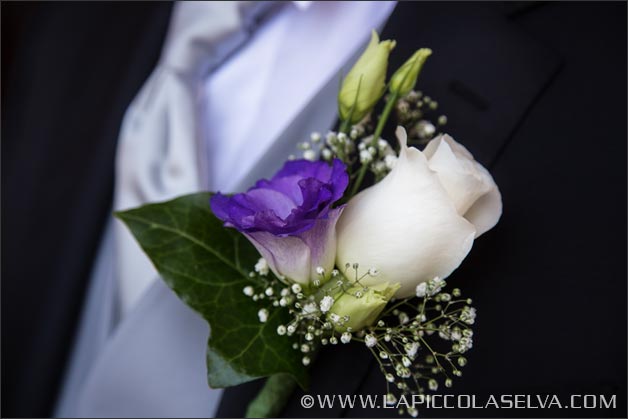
[(220, 205), (321, 240), (286, 256)]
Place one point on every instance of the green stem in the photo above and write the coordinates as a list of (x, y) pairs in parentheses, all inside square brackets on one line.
[(272, 397), (378, 132), (344, 127)]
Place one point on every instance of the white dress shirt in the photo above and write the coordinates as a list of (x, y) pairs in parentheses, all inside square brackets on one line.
[(238, 124)]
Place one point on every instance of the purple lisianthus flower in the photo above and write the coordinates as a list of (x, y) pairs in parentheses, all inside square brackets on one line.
[(289, 218)]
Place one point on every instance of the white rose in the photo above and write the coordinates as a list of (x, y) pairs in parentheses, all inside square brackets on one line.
[(420, 221)]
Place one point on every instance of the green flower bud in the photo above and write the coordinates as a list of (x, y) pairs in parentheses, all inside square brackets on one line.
[(364, 310), (406, 76), (364, 85)]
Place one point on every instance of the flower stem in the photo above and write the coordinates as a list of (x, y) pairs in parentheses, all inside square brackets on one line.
[(272, 397), (378, 132), (344, 127)]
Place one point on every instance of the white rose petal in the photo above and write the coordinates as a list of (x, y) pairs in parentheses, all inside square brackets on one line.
[(470, 186), (407, 225)]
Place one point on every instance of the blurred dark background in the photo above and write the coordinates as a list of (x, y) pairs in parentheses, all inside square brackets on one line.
[(536, 90)]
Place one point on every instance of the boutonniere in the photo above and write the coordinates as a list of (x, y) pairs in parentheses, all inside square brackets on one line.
[(350, 244)]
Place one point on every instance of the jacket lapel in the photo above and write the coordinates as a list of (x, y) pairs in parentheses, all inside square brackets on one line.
[(485, 72)]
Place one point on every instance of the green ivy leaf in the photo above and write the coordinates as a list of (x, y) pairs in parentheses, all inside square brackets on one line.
[(207, 266)]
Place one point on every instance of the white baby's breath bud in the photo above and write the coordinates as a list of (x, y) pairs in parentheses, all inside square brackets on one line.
[(342, 137), (305, 348), (411, 349), (309, 155), (425, 129), (306, 361), (248, 291), (333, 340), (315, 137), (379, 167), (263, 315), (432, 384), (281, 330), (261, 267), (390, 378), (353, 134), (296, 288), (370, 340), (373, 272), (310, 308), (421, 290), (406, 361), (468, 315), (345, 337), (390, 161), (320, 270), (335, 272), (326, 303), (435, 285), (269, 291), (365, 157), (326, 154), (291, 329)]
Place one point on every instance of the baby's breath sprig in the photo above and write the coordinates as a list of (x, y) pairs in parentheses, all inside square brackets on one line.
[(415, 112), (380, 156), (408, 356)]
